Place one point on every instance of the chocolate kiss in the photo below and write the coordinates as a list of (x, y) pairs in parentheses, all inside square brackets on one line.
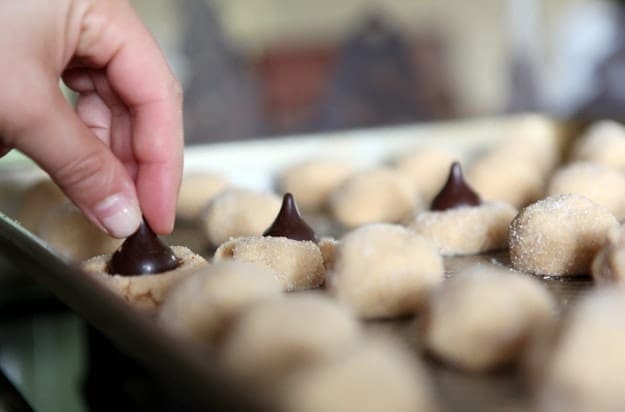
[(289, 222), (142, 253), (456, 192)]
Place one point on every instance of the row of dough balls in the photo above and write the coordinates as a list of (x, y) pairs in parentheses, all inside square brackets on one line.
[(301, 352)]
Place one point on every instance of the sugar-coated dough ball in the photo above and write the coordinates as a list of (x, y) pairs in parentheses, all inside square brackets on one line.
[(428, 168), (467, 230), (297, 264), (376, 195), (601, 184), (383, 270), (604, 143), (239, 212), (559, 235), (585, 369), (609, 264), (196, 190), (69, 232), (506, 178), (279, 336), (311, 182), (204, 305), (36, 200), (380, 375), (145, 292), (481, 319)]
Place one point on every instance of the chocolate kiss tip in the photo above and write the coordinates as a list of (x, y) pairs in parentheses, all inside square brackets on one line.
[(289, 223), (456, 192), (142, 253)]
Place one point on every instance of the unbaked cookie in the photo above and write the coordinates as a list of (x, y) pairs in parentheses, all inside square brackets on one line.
[(281, 336), (288, 248), (380, 375), (196, 190), (460, 224), (311, 182), (376, 195), (428, 168), (203, 306), (481, 319), (601, 184), (36, 200), (68, 231), (609, 264), (143, 269), (585, 369), (383, 270), (559, 235), (238, 212), (604, 143)]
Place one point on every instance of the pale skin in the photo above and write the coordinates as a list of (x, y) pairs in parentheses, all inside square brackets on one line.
[(119, 153)]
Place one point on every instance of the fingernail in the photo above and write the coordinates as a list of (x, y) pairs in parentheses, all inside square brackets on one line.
[(118, 215)]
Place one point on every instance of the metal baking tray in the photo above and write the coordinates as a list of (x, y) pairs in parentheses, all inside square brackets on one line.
[(195, 373)]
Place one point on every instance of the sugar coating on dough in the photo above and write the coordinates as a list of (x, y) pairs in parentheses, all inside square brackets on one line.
[(481, 319), (311, 182), (601, 184), (35, 202), (239, 212), (203, 306), (145, 292), (585, 368), (376, 195), (609, 264), (380, 375), (383, 270), (467, 230), (559, 235), (196, 190), (604, 143), (428, 168), (280, 336), (296, 264), (68, 231)]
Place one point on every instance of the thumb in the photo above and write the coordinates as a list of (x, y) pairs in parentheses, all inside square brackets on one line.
[(83, 167)]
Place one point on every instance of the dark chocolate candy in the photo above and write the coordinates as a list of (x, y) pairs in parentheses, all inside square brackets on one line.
[(456, 192), (289, 222), (142, 253)]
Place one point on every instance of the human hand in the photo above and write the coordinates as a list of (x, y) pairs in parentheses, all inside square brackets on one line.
[(120, 153)]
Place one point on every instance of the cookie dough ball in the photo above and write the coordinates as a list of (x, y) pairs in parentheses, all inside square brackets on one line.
[(280, 336), (481, 319), (380, 375), (239, 212), (428, 169), (609, 264), (196, 190), (601, 184), (585, 370), (297, 264), (70, 233), (145, 292), (559, 235), (384, 270), (484, 228), (377, 195), (35, 202), (604, 143), (312, 182), (203, 306)]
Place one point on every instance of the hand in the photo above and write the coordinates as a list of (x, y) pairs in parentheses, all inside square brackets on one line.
[(120, 153)]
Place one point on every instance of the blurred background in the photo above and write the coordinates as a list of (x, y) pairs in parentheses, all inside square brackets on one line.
[(272, 67)]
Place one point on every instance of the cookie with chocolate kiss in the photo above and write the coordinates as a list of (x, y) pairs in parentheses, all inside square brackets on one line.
[(288, 247), (459, 223), (143, 269)]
